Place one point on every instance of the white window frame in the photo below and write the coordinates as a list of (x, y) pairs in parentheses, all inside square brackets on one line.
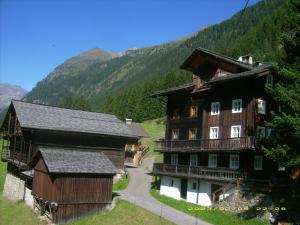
[(233, 132), (215, 108), (190, 132), (258, 162), (260, 131), (213, 134), (173, 132), (233, 163), (193, 160), (235, 104), (269, 131), (269, 80), (212, 160), (261, 106), (281, 167), (174, 159)]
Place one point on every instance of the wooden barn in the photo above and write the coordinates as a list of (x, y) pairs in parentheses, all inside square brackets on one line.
[(70, 183), (29, 128)]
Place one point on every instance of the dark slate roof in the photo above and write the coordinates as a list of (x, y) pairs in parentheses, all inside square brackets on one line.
[(233, 76), (230, 60), (76, 161), (138, 130), (46, 117), (184, 87)]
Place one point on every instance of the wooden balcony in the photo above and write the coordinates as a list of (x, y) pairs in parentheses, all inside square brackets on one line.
[(221, 174), (206, 144)]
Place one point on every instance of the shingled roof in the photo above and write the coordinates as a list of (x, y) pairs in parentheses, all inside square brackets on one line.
[(184, 87), (46, 117), (74, 160), (254, 72), (138, 130)]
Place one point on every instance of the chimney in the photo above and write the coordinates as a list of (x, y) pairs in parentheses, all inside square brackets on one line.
[(246, 59), (128, 121)]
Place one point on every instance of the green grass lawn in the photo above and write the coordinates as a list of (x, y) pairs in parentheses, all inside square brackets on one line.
[(155, 129), (3, 166), (122, 183), (124, 213), (215, 217), (16, 213)]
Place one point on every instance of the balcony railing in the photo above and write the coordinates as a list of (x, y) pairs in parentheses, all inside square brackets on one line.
[(206, 144), (217, 173)]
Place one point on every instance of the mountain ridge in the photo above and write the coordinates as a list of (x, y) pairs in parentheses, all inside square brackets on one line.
[(99, 81)]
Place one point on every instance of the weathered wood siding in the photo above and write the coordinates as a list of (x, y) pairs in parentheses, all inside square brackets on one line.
[(76, 195)]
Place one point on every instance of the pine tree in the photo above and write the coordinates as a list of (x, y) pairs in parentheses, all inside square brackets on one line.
[(284, 146)]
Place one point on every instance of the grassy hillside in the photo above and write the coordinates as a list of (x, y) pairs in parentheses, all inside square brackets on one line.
[(121, 85), (156, 130)]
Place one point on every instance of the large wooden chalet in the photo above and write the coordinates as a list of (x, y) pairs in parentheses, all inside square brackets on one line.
[(61, 160), (213, 127)]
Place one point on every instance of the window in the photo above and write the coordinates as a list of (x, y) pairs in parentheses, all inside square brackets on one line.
[(193, 133), (171, 182), (174, 159), (258, 161), (176, 114), (193, 160), (175, 134), (269, 80), (234, 162), (237, 106), (261, 106), (260, 131), (194, 186), (236, 131), (212, 160), (214, 133), (193, 111), (215, 108), (281, 167), (270, 131)]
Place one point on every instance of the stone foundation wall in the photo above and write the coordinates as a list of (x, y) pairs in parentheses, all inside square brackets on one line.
[(15, 190)]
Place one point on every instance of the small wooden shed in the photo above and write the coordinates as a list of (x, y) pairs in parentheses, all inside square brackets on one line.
[(70, 183)]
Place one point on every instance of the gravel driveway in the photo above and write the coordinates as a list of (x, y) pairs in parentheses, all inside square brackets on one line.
[(137, 193)]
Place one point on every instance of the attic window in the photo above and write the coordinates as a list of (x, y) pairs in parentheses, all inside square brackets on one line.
[(193, 111), (269, 80), (236, 105)]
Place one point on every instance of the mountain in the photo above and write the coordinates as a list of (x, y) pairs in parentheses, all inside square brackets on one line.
[(122, 84), (56, 83), (9, 92)]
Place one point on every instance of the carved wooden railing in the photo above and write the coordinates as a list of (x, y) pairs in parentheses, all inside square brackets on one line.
[(198, 171), (206, 144)]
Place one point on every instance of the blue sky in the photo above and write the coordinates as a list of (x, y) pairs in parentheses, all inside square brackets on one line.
[(38, 35)]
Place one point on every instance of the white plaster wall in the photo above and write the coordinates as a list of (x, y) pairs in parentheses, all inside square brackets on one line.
[(204, 193), (191, 195), (166, 189), (13, 188), (28, 198)]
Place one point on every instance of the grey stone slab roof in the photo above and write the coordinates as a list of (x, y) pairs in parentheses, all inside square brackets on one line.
[(229, 77), (46, 117), (184, 87), (76, 161), (138, 130)]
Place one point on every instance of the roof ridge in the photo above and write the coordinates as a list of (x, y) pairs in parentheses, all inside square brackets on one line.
[(60, 107)]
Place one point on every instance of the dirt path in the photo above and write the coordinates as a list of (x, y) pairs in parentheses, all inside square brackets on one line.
[(137, 193)]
